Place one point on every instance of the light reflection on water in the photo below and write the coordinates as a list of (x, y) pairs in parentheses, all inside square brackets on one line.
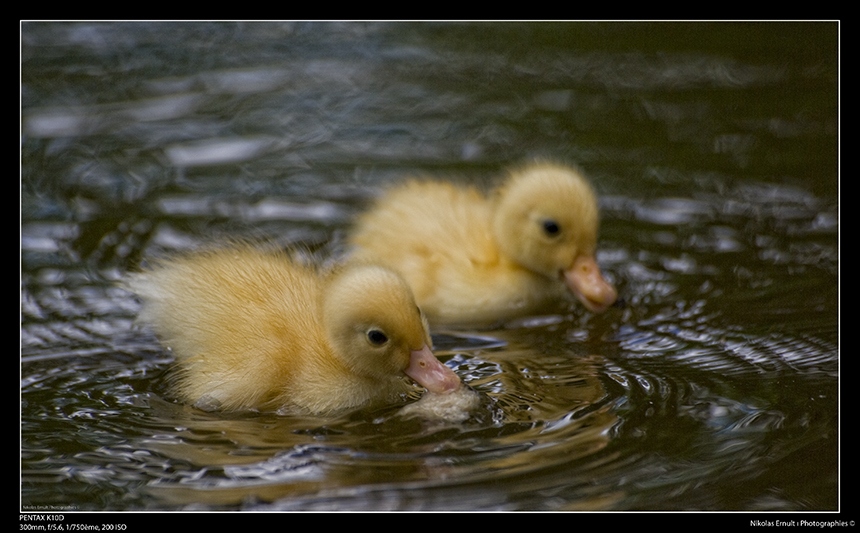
[(712, 385)]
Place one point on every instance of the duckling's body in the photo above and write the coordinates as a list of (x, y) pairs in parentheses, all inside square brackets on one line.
[(472, 258), (253, 330)]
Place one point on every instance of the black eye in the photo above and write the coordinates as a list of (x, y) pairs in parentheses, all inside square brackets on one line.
[(377, 337), (551, 227)]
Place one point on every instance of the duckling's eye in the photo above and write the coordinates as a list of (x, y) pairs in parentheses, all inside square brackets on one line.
[(377, 337), (551, 227)]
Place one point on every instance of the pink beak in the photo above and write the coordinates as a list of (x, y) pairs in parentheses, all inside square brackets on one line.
[(587, 283), (430, 373)]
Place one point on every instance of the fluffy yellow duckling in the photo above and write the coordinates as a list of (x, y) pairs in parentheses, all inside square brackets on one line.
[(253, 330), (471, 258)]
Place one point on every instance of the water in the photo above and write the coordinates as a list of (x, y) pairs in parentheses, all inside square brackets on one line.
[(714, 385)]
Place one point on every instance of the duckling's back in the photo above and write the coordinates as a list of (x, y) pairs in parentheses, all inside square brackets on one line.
[(421, 227), (439, 236), (241, 324)]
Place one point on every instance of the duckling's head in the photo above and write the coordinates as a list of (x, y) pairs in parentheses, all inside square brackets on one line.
[(546, 220), (375, 326)]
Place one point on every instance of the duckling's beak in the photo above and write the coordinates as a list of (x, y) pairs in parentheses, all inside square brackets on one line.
[(587, 283), (430, 373)]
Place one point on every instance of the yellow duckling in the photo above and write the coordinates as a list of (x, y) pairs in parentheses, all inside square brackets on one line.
[(470, 258), (253, 330)]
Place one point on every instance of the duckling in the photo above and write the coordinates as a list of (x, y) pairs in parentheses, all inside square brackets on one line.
[(253, 330), (472, 258)]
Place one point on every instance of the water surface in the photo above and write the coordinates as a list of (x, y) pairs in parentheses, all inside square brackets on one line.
[(713, 385)]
